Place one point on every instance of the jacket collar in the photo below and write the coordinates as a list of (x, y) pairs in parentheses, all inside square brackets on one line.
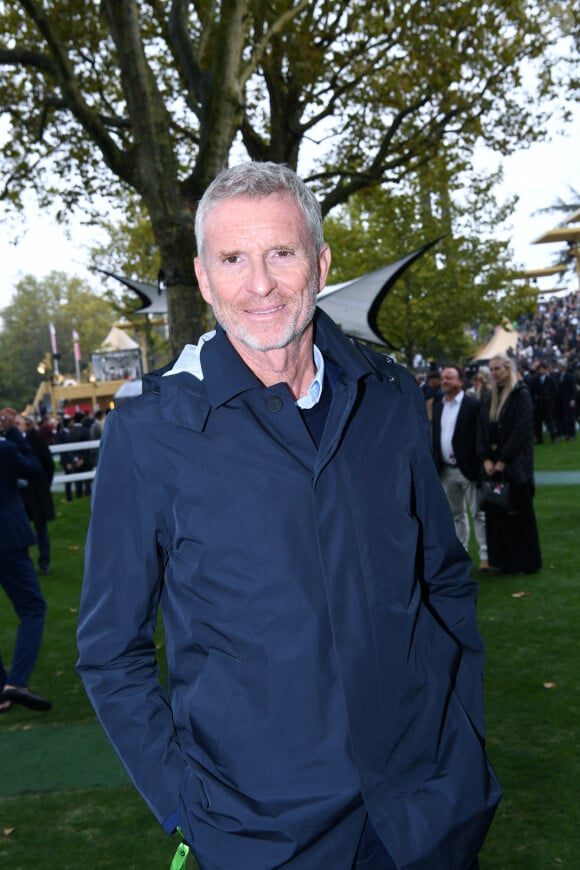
[(218, 373), (225, 374), (341, 350)]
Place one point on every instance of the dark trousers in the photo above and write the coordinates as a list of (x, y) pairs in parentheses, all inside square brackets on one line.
[(544, 414), (19, 581), (43, 544), (568, 421)]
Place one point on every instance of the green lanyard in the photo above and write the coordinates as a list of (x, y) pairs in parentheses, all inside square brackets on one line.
[(181, 854)]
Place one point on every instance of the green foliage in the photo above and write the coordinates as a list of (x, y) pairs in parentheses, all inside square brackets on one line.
[(131, 249), (69, 304), (464, 281), (155, 98)]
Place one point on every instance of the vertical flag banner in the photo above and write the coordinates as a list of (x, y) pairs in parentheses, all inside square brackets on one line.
[(54, 346), (76, 345), (53, 338), (77, 353)]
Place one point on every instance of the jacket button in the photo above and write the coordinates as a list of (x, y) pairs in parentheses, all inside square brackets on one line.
[(274, 404)]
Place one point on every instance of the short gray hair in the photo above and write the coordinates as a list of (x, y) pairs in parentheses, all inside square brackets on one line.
[(255, 181)]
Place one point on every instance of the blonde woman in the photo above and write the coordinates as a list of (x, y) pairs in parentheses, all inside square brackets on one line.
[(506, 448)]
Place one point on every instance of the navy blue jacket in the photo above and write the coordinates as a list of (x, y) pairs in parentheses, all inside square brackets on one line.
[(274, 563), (17, 461)]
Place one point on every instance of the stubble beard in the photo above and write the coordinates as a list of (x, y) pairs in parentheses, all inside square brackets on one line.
[(226, 317)]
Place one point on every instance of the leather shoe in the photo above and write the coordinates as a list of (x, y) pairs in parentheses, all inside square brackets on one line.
[(19, 695)]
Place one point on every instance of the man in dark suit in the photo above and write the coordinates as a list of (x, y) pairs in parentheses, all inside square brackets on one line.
[(454, 448), (17, 575), (544, 397), (37, 495), (566, 383)]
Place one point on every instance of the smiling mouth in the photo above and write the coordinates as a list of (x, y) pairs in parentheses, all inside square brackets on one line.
[(262, 312)]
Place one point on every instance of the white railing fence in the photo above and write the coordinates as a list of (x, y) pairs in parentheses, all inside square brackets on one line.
[(72, 447)]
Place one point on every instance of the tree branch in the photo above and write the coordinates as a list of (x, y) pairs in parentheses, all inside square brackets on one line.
[(275, 28), (25, 57), (62, 74)]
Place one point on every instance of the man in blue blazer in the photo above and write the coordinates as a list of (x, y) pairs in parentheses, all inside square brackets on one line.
[(17, 575), (455, 418), (273, 494)]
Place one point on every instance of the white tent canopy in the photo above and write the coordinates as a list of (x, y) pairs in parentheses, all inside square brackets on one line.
[(503, 338), (117, 339)]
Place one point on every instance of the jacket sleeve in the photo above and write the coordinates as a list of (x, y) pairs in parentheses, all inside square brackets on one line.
[(118, 611), (23, 462), (517, 428), (436, 433), (450, 592)]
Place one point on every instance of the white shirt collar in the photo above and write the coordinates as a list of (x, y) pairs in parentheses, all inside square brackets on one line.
[(314, 392), (456, 400), (189, 360)]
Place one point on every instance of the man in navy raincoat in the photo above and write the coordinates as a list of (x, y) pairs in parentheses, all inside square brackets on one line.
[(274, 495)]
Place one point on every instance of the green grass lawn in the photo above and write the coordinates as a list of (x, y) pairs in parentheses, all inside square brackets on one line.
[(533, 697), (561, 456), (533, 714), (63, 830)]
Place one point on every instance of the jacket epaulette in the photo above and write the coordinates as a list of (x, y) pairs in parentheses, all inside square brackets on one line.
[(383, 365)]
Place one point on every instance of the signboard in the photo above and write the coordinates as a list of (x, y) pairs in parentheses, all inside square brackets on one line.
[(112, 365)]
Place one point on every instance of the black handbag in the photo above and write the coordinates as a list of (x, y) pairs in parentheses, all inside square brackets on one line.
[(494, 496)]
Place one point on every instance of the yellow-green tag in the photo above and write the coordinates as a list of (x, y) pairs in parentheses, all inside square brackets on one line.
[(180, 856)]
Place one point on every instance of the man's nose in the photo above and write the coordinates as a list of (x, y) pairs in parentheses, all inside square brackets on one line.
[(260, 278)]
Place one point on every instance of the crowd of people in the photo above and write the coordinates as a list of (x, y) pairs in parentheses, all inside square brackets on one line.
[(551, 334), (508, 403), (548, 358)]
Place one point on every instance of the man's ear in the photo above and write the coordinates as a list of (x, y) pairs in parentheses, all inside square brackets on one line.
[(202, 281), (324, 259)]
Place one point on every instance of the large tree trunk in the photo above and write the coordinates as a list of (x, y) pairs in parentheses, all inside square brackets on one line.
[(151, 168), (186, 309)]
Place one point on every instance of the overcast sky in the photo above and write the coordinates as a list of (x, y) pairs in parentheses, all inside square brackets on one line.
[(539, 175)]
